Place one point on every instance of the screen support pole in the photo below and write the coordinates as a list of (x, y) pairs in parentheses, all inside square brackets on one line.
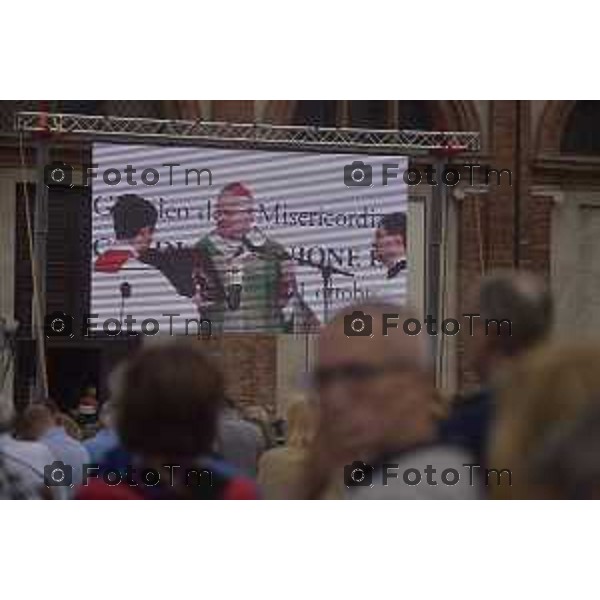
[(39, 269), (433, 291)]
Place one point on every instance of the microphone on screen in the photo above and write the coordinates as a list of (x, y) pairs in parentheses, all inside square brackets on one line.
[(125, 289), (233, 287), (233, 281), (255, 239)]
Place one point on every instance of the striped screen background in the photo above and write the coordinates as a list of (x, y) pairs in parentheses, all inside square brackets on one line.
[(301, 201)]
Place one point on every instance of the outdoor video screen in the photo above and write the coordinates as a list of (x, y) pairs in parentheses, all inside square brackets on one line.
[(248, 240)]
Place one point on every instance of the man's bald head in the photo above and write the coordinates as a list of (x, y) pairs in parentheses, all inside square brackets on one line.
[(395, 344)]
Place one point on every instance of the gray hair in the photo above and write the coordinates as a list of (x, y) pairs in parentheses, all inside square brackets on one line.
[(420, 350), (106, 416), (524, 300)]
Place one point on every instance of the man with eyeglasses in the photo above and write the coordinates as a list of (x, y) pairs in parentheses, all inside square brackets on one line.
[(377, 406)]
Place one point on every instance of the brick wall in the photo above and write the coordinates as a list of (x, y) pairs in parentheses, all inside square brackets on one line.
[(487, 226), (536, 238), (249, 362)]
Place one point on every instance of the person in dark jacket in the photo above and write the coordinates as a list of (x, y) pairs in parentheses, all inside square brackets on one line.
[(515, 315), (167, 403)]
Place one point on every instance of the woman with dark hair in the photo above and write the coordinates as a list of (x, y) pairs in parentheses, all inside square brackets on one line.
[(167, 402)]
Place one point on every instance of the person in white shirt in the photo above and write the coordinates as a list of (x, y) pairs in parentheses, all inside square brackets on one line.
[(13, 486), (239, 441), (390, 243), (377, 407), (388, 280), (25, 458), (125, 288), (43, 426)]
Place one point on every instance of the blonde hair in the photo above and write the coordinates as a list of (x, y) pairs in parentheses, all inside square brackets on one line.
[(301, 422), (544, 394)]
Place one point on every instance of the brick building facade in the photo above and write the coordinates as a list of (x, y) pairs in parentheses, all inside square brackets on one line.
[(547, 220)]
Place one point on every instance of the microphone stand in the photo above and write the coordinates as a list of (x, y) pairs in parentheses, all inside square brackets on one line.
[(125, 289), (327, 272)]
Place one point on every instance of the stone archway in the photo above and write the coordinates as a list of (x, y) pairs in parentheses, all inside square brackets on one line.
[(551, 126), (572, 215)]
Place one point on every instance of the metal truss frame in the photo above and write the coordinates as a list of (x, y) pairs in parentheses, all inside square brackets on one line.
[(49, 129), (407, 142)]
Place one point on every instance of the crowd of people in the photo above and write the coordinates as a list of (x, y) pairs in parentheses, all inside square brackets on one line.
[(371, 426)]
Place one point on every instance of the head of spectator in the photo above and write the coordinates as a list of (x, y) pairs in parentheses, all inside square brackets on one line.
[(167, 401), (282, 470), (547, 426), (256, 413), (515, 314), (35, 421), (64, 420), (378, 405), (301, 422), (106, 415), (375, 391)]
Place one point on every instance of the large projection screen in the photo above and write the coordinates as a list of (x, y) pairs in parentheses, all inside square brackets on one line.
[(237, 237)]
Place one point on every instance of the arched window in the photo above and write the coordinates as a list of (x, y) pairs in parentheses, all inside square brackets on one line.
[(151, 109), (316, 112), (581, 134), (366, 114), (75, 107)]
